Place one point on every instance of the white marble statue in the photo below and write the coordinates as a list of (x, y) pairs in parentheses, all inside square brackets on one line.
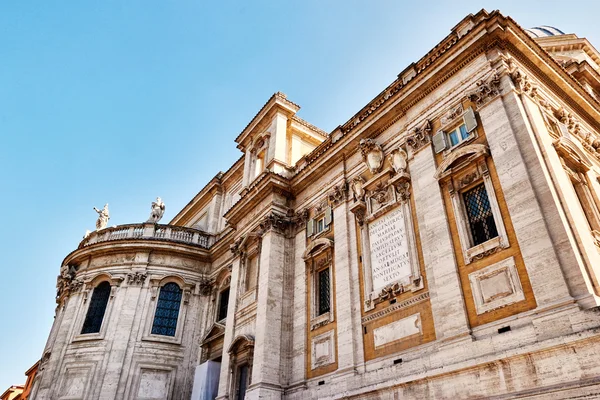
[(157, 210), (103, 217)]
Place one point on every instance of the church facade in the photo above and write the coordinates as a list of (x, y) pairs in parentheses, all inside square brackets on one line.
[(444, 243)]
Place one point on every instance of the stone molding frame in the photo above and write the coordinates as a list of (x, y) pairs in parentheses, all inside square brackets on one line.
[(388, 191), (503, 288), (241, 352), (89, 286), (326, 339), (317, 257), (156, 283), (462, 169)]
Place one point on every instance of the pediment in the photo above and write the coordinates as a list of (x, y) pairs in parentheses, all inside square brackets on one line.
[(215, 332)]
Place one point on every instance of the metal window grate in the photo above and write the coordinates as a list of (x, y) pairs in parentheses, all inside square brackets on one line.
[(95, 314), (223, 304), (324, 291), (167, 310), (479, 213)]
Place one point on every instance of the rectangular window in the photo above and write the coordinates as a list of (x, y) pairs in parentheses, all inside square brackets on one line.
[(479, 214), (324, 287), (223, 304), (458, 135)]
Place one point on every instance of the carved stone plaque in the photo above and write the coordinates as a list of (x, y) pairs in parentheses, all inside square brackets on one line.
[(390, 259)]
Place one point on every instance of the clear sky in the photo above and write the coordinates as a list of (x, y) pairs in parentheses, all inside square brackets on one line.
[(123, 101)]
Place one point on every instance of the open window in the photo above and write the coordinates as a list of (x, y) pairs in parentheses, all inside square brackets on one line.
[(320, 223), (454, 133)]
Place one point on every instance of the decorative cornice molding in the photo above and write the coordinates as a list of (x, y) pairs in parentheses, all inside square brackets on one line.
[(406, 303)]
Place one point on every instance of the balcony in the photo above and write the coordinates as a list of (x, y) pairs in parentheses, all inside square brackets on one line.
[(150, 231)]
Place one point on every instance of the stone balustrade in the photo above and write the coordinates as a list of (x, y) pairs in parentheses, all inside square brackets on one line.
[(152, 232)]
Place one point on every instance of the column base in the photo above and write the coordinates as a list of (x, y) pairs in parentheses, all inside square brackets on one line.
[(264, 391)]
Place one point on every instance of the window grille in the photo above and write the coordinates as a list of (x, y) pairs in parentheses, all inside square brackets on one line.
[(97, 308), (479, 213), (223, 304), (167, 310), (324, 291)]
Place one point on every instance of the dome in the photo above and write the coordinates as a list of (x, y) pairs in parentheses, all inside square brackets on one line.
[(543, 31)]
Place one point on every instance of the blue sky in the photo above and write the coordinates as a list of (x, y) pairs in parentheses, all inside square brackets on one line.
[(123, 101)]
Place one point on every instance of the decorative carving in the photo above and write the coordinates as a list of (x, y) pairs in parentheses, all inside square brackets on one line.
[(487, 253), (381, 194), (486, 89), (157, 211), (299, 218), (522, 81), (468, 179), (358, 190), (205, 285), (359, 209), (103, 217), (403, 190), (452, 114), (136, 278), (66, 283), (389, 292), (420, 136), (274, 222), (235, 247), (372, 154), (338, 194), (397, 159)]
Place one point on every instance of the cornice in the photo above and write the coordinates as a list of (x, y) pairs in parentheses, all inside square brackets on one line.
[(266, 184), (278, 100), (127, 245)]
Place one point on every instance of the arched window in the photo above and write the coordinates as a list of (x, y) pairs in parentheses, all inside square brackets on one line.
[(167, 310), (97, 308)]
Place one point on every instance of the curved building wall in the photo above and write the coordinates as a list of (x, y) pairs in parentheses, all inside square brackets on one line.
[(124, 359)]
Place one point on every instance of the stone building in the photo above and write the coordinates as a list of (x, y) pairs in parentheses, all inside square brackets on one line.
[(441, 244)]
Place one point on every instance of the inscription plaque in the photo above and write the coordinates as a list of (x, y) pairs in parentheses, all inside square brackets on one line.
[(390, 260)]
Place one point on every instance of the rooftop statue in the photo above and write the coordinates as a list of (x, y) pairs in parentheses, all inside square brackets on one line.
[(103, 217), (157, 210)]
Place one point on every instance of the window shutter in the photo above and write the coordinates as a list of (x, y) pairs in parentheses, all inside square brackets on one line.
[(310, 227), (328, 216), (470, 120), (439, 141)]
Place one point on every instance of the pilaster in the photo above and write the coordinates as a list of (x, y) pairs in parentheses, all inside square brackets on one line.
[(225, 377), (504, 121), (447, 303), (349, 338), (267, 363)]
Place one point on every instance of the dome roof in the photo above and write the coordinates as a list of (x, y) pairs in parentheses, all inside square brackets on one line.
[(543, 31)]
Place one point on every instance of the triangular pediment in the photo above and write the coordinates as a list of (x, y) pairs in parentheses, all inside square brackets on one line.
[(215, 332)]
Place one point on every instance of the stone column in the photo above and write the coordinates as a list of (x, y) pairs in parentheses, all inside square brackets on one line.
[(349, 330), (447, 302), (298, 361), (120, 322), (508, 135), (224, 379), (581, 284), (268, 348)]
